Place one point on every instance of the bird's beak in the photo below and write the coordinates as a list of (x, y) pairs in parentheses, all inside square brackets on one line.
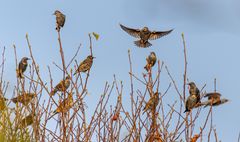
[(94, 57), (28, 59)]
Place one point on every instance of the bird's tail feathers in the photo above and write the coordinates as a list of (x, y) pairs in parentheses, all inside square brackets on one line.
[(141, 44)]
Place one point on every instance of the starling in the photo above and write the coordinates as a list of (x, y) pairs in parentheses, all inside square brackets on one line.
[(2, 102), (85, 65), (152, 103), (214, 99), (151, 60), (191, 102), (60, 19), (64, 106), (193, 90), (25, 98), (28, 120), (194, 98), (61, 86), (22, 66), (144, 35)]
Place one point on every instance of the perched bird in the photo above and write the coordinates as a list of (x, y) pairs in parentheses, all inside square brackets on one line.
[(193, 90), (144, 35), (22, 66), (151, 60), (194, 98), (61, 86), (2, 102), (214, 99), (60, 19), (152, 102), (25, 98), (64, 106), (85, 65), (28, 120), (191, 102)]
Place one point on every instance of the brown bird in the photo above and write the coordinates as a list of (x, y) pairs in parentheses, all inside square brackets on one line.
[(191, 102), (60, 19), (144, 35), (152, 102), (25, 98), (64, 106), (214, 99), (85, 65), (28, 120), (61, 86), (193, 90), (22, 66), (2, 102), (194, 98), (151, 60)]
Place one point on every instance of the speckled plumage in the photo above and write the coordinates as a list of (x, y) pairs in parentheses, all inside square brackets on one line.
[(85, 65), (151, 60), (22, 66), (61, 86), (60, 19), (25, 98), (144, 35)]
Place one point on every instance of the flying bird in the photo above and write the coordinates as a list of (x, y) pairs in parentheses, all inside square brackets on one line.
[(151, 60), (60, 19), (85, 65), (214, 99), (64, 106), (61, 86), (22, 66), (25, 98), (144, 35), (152, 102)]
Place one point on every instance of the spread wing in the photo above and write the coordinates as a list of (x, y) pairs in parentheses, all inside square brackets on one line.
[(212, 95), (133, 32), (155, 35)]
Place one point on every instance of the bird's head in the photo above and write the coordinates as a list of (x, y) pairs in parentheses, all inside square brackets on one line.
[(191, 84), (153, 54), (91, 57), (25, 59), (56, 12), (145, 29), (224, 101)]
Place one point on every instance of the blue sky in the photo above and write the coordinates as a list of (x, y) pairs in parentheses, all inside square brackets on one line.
[(211, 31)]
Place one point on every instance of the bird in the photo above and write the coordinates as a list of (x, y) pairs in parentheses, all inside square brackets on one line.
[(28, 120), (152, 102), (60, 19), (214, 99), (22, 66), (61, 86), (85, 65), (191, 102), (194, 97), (193, 90), (151, 60), (2, 102), (25, 98), (144, 35), (64, 106)]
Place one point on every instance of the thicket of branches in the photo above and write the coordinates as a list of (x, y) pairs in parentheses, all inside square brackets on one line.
[(110, 121)]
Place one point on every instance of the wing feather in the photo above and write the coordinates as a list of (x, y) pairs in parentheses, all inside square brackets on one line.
[(155, 35), (133, 32)]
